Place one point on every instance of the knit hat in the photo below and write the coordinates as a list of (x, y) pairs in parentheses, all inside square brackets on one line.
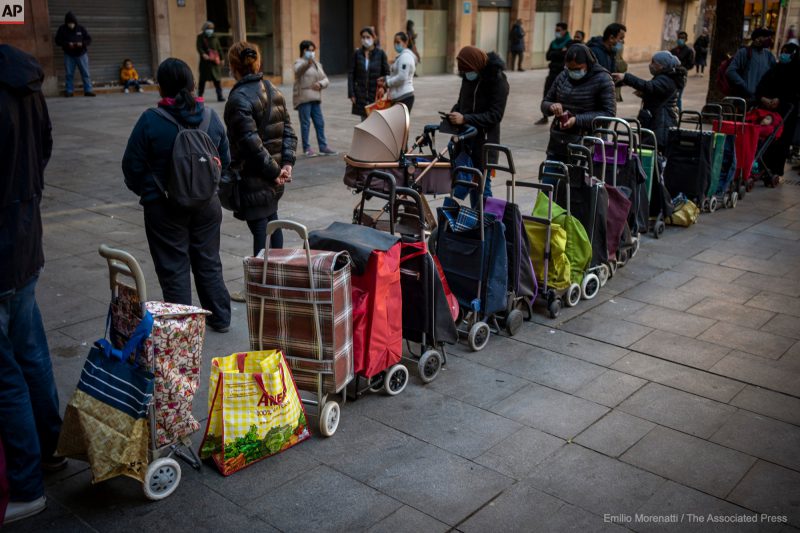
[(666, 59), (471, 59)]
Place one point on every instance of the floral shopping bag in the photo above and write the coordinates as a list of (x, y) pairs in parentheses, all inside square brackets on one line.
[(254, 410)]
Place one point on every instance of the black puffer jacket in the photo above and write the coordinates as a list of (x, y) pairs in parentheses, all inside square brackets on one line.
[(25, 147), (483, 104), (362, 82), (262, 141), (590, 97), (659, 101)]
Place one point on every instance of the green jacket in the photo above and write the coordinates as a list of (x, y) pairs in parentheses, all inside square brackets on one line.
[(209, 70)]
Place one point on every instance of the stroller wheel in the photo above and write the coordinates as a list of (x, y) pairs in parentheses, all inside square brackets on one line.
[(162, 478), (514, 321), (478, 336), (554, 308), (603, 273), (734, 199), (712, 204), (590, 286), (395, 380), (429, 365), (573, 295), (329, 419)]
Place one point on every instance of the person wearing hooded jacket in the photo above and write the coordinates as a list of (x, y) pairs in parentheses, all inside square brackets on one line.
[(75, 40), (400, 81), (481, 100), (606, 47), (583, 91), (29, 415), (659, 95), (181, 240)]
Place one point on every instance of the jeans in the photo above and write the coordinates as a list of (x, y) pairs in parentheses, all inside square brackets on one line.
[(82, 62), (132, 83), (308, 112), (29, 416), (183, 241), (258, 228)]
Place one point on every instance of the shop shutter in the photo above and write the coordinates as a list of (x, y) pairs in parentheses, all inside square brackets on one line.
[(119, 28)]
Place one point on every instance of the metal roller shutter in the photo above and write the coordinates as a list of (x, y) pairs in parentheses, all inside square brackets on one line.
[(119, 28)]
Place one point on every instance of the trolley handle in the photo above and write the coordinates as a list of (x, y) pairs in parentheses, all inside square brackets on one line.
[(582, 156), (650, 135), (416, 201), (560, 172), (691, 117), (121, 262), (490, 148)]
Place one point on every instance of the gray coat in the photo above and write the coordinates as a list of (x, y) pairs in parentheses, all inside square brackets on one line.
[(590, 97)]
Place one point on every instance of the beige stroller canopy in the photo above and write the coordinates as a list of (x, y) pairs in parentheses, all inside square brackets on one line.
[(382, 136)]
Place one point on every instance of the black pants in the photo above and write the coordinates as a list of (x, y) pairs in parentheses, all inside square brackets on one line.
[(258, 228), (407, 99), (517, 56), (183, 241), (201, 86)]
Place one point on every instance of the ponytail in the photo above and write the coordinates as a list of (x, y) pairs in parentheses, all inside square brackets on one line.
[(176, 81)]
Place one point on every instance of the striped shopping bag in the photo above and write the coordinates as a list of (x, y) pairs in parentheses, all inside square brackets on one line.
[(254, 410)]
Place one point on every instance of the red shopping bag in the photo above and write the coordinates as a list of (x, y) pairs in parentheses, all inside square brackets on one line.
[(381, 344)]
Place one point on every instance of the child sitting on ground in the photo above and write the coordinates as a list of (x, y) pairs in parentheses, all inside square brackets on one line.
[(129, 76)]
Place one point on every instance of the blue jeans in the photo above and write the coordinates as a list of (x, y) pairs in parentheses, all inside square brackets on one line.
[(308, 112), (82, 62), (29, 418), (132, 83)]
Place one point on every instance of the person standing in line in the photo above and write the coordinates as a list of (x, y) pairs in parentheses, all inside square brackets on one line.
[(74, 40), (309, 82), (182, 240), (701, 45), (750, 64), (555, 57), (263, 144), (400, 81), (684, 52), (605, 48), (29, 415), (579, 37), (210, 51), (369, 64), (516, 46)]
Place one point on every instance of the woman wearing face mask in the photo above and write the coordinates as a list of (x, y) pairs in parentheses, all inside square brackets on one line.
[(368, 66), (309, 82), (778, 91), (401, 80), (659, 95), (210, 60), (583, 91)]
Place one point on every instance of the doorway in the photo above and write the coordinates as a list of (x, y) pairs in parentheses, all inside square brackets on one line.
[(494, 25), (336, 35)]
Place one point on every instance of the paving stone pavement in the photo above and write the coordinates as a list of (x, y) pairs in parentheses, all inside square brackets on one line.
[(675, 392)]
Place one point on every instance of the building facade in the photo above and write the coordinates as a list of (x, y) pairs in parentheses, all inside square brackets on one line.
[(148, 31)]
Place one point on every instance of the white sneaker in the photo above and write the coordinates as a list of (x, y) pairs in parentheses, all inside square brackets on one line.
[(126, 91), (20, 510), (140, 90)]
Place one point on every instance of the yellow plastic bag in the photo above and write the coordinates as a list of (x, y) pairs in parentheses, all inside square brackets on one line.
[(254, 410), (685, 215)]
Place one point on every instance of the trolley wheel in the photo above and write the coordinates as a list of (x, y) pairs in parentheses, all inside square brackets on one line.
[(376, 383), (774, 182), (658, 229), (712, 204), (395, 380), (478, 336), (634, 249), (162, 478), (329, 419), (514, 320), (590, 286), (429, 365), (603, 273), (706, 205), (612, 265), (742, 191), (573, 295), (554, 308), (749, 185), (734, 199)]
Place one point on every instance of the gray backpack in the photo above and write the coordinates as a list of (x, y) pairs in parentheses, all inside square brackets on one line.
[(195, 168)]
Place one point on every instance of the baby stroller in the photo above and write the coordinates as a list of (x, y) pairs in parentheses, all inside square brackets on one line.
[(688, 169), (173, 354), (770, 129), (471, 246), (427, 315), (377, 304), (522, 287), (314, 333)]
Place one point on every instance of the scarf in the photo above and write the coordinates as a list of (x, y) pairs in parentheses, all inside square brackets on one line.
[(558, 44)]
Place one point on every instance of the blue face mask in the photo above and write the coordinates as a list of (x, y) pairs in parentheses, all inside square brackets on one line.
[(681, 42), (398, 48), (471, 76), (785, 58), (577, 73), (619, 46)]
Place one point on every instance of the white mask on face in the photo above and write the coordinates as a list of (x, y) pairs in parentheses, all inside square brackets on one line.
[(309, 54), (367, 42)]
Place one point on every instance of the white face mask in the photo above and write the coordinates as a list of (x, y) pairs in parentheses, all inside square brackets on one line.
[(309, 54), (366, 42)]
